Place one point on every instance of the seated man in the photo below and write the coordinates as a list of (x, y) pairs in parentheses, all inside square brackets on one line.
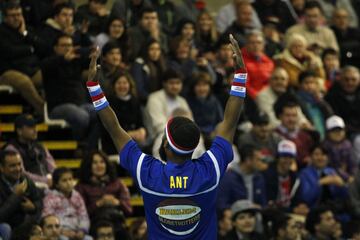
[(20, 200), (65, 95), (243, 181), (320, 183), (262, 136), (280, 180), (19, 63), (244, 221), (37, 160), (321, 223), (51, 228)]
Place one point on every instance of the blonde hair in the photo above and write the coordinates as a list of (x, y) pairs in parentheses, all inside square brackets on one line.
[(295, 38)]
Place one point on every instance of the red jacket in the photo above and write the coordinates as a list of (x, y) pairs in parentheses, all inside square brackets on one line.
[(259, 70)]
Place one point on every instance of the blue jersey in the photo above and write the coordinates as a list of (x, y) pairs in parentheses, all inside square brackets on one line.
[(179, 199)]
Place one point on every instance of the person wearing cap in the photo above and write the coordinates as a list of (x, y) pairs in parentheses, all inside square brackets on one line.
[(280, 180), (243, 180), (179, 193), (244, 221), (261, 135), (339, 148), (319, 183), (37, 161)]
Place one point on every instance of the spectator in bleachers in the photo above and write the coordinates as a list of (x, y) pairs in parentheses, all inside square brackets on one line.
[(37, 161), (297, 8), (67, 204), (258, 65), (344, 98), (94, 14), (206, 35), (273, 8), (36, 233), (331, 62), (36, 12), (161, 103), (286, 228), (227, 15), (262, 135), (104, 230), (267, 97), (68, 100), (166, 10), (186, 30), (205, 107), (321, 223), (347, 36), (19, 63), (318, 36), (62, 23), (296, 58), (127, 108), (224, 222), (102, 192), (319, 183), (243, 22), (190, 9), (147, 28), (280, 180), (115, 31), (329, 10), (313, 105), (243, 181), (138, 229), (287, 111), (180, 60), (129, 10), (272, 36), (223, 60), (5, 231), (339, 149), (244, 222), (20, 200), (51, 228), (112, 64), (148, 69)]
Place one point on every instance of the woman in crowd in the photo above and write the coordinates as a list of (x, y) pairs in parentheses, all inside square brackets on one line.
[(148, 69), (122, 98), (296, 59)]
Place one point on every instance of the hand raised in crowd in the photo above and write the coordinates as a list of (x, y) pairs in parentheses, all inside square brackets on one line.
[(27, 205), (21, 188)]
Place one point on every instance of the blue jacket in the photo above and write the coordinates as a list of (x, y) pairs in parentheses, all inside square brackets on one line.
[(232, 188), (310, 191)]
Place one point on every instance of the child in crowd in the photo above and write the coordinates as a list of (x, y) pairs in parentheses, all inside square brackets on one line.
[(67, 204), (339, 148)]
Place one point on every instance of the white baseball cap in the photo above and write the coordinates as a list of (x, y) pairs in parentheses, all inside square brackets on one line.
[(334, 122), (286, 148)]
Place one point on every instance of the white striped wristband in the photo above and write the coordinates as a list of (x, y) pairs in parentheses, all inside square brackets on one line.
[(97, 96), (238, 86)]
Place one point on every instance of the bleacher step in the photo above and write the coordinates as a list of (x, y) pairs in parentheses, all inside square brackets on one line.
[(10, 127), (56, 145), (11, 109)]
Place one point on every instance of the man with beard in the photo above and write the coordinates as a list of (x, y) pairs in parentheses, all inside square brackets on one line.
[(179, 193)]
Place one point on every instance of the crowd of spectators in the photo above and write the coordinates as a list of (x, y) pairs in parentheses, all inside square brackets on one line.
[(297, 149)]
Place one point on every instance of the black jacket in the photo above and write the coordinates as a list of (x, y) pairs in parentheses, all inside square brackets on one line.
[(19, 52), (63, 82), (10, 204), (232, 235)]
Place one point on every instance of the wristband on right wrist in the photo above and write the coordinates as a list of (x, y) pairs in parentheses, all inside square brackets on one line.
[(238, 86), (97, 96)]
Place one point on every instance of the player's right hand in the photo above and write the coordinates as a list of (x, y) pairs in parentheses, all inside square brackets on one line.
[(93, 67)]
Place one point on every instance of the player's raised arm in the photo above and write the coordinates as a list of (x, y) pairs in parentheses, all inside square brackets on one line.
[(107, 115), (227, 127)]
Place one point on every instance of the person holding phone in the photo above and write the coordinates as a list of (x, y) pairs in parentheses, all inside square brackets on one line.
[(20, 200)]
